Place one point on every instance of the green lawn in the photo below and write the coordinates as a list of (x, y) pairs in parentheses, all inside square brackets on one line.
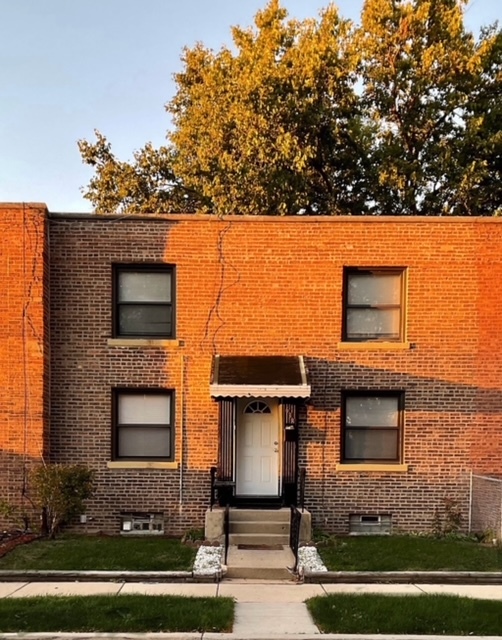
[(427, 614), (121, 614), (409, 553), (101, 553)]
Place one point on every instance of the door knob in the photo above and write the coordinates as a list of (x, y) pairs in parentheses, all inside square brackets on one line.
[(276, 443)]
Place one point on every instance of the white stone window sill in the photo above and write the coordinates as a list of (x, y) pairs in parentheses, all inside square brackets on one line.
[(138, 464), (373, 346), (383, 468), (169, 343)]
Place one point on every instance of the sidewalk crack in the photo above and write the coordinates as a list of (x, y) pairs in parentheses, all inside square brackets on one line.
[(9, 595), (420, 588)]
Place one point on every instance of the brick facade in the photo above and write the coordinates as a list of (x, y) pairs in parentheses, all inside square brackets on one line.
[(24, 355), (273, 286), (486, 513)]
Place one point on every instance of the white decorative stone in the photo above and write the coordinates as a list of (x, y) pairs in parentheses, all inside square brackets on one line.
[(208, 560), (309, 560)]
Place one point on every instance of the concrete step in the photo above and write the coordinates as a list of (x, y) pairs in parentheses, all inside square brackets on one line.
[(256, 526), (259, 564), (259, 538), (262, 515), (259, 573)]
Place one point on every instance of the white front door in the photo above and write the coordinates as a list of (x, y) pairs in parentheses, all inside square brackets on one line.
[(257, 464)]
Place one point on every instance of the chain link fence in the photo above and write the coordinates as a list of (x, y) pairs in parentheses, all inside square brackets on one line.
[(485, 515)]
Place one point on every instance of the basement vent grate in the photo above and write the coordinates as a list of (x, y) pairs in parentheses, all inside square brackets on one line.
[(142, 523), (367, 524)]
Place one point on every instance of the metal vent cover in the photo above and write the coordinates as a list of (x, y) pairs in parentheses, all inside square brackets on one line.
[(142, 523), (361, 524)]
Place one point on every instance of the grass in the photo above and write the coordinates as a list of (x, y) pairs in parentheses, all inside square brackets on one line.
[(427, 614), (409, 553), (123, 613), (101, 553)]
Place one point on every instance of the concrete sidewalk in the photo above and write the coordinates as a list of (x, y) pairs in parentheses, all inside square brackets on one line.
[(257, 591), (263, 609)]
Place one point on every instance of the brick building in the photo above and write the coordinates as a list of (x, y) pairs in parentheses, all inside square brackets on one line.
[(24, 354), (363, 350)]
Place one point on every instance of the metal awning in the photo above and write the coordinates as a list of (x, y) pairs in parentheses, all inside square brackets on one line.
[(259, 376)]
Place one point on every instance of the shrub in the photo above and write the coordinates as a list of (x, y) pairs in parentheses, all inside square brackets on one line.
[(447, 521), (192, 536), (60, 491), (321, 538), (15, 515)]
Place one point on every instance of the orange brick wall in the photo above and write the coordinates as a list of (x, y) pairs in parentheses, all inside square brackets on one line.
[(274, 286), (24, 380), (487, 451)]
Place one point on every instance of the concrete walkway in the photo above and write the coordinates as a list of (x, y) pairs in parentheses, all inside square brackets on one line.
[(272, 618), (243, 591), (245, 564), (263, 608)]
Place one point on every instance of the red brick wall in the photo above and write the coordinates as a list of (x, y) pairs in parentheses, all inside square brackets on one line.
[(274, 286), (487, 450), (487, 507), (24, 362)]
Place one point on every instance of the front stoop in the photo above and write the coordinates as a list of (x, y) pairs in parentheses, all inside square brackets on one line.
[(261, 528), (264, 526), (259, 564)]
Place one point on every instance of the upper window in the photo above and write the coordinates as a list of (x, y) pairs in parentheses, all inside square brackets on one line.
[(143, 425), (372, 427), (144, 302), (374, 305)]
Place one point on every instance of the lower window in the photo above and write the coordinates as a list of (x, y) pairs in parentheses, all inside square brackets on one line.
[(143, 425), (369, 525), (142, 523), (372, 425)]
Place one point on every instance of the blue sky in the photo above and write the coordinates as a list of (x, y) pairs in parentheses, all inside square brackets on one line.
[(70, 66)]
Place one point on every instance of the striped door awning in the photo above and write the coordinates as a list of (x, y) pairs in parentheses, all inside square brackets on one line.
[(259, 376)]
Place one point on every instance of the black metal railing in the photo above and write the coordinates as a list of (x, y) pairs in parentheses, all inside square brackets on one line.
[(294, 533), (212, 499), (222, 491), (301, 488), (226, 530)]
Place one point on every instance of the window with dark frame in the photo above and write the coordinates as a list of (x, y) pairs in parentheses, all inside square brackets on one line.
[(143, 425), (374, 304), (372, 426), (144, 301)]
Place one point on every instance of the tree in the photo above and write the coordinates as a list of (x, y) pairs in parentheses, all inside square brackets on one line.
[(148, 185), (275, 127), (480, 149), (426, 83), (399, 115)]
